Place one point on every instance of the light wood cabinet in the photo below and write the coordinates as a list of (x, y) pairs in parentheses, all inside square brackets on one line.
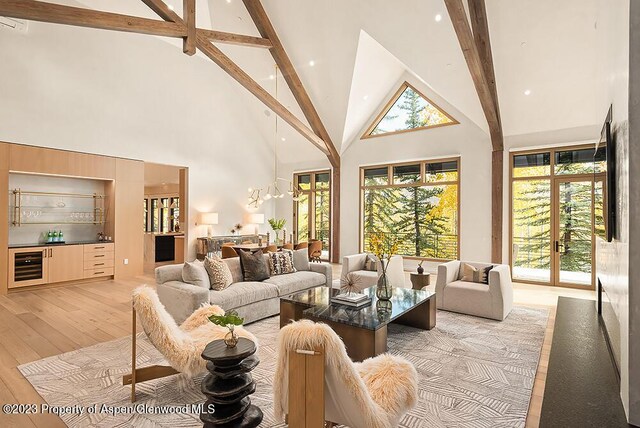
[(99, 260), (66, 263)]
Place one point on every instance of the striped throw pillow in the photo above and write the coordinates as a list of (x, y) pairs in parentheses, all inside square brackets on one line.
[(281, 262)]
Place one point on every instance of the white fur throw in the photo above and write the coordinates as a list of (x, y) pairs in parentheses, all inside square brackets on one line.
[(181, 346), (382, 389)]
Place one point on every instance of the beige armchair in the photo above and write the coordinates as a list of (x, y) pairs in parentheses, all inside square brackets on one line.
[(493, 300), (315, 381), (354, 272)]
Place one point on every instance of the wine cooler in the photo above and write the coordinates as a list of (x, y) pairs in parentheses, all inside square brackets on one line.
[(27, 267)]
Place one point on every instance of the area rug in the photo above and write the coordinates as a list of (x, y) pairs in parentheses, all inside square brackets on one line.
[(473, 372)]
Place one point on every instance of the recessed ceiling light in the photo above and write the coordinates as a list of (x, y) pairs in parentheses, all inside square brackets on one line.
[(271, 76), (366, 97), (228, 1), (438, 18), (283, 139), (312, 63), (171, 7), (527, 92)]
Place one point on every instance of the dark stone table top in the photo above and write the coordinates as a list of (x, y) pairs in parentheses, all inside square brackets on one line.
[(370, 317), (218, 352)]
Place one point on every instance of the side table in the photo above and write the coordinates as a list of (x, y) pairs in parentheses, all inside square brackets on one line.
[(228, 385), (420, 280)]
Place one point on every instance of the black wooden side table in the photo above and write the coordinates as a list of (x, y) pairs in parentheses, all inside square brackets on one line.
[(228, 385)]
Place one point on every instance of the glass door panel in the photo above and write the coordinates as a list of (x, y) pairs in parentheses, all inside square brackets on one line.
[(302, 216), (531, 234), (574, 237)]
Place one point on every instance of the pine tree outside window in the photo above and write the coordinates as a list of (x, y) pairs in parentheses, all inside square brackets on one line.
[(408, 110), (418, 202)]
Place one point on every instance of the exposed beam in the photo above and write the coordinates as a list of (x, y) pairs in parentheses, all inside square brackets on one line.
[(224, 62), (474, 62), (68, 15), (236, 39), (189, 17), (266, 30)]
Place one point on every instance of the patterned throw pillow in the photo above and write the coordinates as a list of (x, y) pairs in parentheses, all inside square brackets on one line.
[(219, 273), (281, 262), (472, 274), (371, 263)]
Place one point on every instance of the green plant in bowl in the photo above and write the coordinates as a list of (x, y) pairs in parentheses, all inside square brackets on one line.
[(229, 320)]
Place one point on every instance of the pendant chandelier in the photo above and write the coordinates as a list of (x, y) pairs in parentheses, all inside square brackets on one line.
[(258, 196)]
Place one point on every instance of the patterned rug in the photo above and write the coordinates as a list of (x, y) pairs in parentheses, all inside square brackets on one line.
[(473, 372)]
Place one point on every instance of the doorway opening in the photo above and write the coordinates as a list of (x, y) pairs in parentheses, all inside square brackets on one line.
[(312, 210)]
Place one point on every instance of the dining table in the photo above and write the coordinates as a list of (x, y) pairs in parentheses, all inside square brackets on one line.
[(254, 247)]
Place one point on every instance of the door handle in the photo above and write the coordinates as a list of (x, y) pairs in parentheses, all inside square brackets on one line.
[(44, 253), (50, 252), (557, 246)]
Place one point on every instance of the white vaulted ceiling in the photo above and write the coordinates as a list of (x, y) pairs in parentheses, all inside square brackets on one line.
[(544, 46)]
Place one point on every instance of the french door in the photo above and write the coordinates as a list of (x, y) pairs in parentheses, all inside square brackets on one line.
[(557, 209), (312, 209)]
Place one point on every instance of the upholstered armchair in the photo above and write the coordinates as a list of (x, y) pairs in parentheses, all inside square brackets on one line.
[(354, 272), (328, 386), (493, 300)]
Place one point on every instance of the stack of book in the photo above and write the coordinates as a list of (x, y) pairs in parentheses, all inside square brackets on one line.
[(356, 300)]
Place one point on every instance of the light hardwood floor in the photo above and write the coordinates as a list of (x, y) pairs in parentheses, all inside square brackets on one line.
[(45, 322)]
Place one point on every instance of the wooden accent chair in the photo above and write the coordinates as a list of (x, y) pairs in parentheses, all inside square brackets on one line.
[(301, 245), (228, 252), (271, 249), (180, 346), (316, 382), (288, 246), (315, 251)]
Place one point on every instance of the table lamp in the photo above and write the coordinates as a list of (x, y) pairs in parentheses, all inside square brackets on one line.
[(255, 219), (207, 219)]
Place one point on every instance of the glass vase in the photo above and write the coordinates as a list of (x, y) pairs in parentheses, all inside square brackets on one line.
[(231, 338), (383, 288)]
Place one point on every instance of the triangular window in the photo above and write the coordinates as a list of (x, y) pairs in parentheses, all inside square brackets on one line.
[(408, 110)]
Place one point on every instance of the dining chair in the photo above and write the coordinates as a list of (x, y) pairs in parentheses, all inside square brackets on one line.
[(302, 245), (288, 246), (228, 244), (228, 252), (271, 249), (315, 251)]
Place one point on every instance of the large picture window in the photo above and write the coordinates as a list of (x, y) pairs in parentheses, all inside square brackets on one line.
[(417, 202)]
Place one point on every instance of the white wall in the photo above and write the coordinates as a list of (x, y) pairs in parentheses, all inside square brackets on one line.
[(465, 140), (136, 96)]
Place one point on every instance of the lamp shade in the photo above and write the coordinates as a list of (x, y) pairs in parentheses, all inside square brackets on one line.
[(255, 218), (208, 218)]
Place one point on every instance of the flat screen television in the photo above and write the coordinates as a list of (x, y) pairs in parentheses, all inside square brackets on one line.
[(606, 142)]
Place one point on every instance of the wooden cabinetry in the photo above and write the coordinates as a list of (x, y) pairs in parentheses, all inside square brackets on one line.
[(65, 263), (52, 264)]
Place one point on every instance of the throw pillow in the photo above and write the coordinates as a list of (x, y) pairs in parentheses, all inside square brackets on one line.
[(254, 266), (219, 273), (301, 259), (371, 263), (281, 262), (472, 274), (195, 273)]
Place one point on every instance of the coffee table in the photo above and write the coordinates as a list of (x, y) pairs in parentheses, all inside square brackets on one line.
[(364, 330)]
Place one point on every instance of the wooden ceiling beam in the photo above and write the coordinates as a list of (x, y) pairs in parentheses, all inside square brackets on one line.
[(69, 15), (189, 17), (233, 70), (476, 68), (236, 39), (266, 30)]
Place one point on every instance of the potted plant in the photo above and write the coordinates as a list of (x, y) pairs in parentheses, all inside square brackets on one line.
[(384, 247), (277, 225), (420, 268), (230, 320)]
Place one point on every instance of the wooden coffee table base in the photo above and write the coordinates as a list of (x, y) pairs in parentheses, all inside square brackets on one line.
[(362, 343)]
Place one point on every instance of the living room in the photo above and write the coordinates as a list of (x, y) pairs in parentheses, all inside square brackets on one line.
[(342, 213)]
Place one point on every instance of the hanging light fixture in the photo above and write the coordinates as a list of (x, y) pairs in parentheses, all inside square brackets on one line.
[(273, 191)]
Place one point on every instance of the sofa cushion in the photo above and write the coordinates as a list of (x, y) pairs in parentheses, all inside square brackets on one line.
[(293, 282), (234, 267), (219, 273), (301, 259), (467, 298), (194, 273), (242, 293), (254, 265)]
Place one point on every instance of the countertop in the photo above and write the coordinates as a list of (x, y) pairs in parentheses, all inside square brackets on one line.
[(165, 234), (53, 244)]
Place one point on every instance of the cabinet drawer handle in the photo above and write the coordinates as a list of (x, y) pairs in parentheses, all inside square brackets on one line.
[(99, 255), (98, 248), (98, 264), (97, 273)]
